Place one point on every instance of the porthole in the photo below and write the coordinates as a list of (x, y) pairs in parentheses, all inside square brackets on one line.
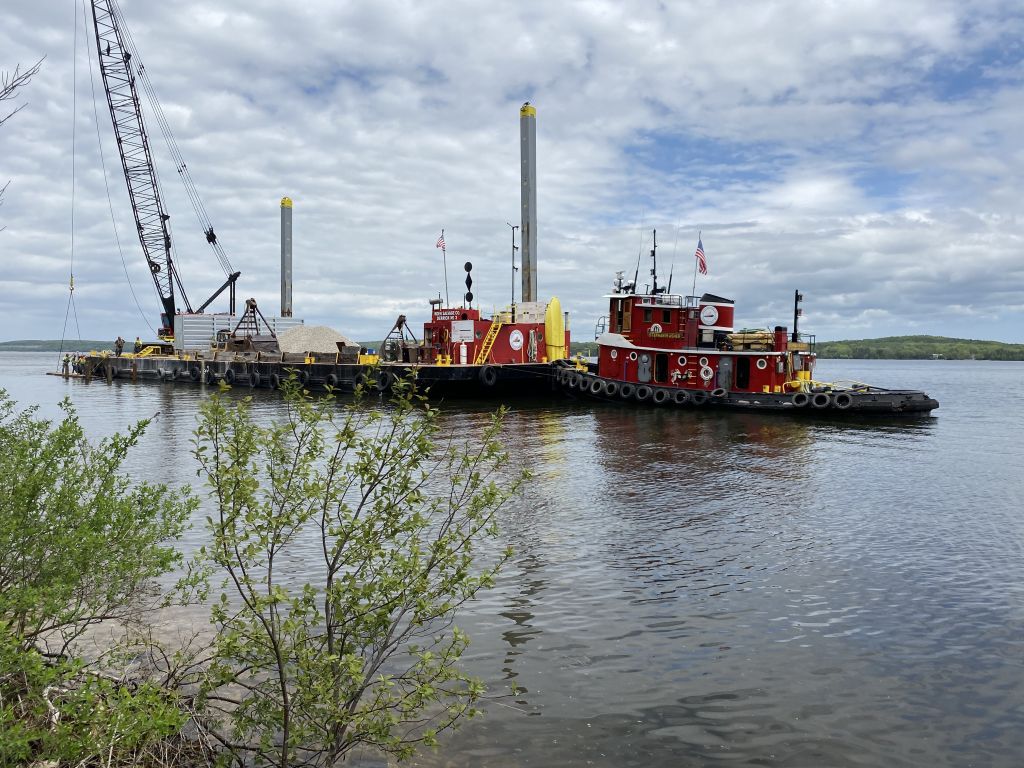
[(632, 355), (704, 362), (682, 361), (762, 364), (614, 354)]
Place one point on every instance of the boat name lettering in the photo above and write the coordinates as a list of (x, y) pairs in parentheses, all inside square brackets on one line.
[(447, 314)]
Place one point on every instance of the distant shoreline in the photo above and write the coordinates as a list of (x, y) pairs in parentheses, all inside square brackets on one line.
[(887, 348), (44, 345)]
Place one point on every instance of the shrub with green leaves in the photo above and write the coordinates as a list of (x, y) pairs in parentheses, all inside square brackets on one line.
[(349, 537), (80, 544)]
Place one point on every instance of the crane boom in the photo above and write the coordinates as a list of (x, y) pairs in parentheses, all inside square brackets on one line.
[(136, 159)]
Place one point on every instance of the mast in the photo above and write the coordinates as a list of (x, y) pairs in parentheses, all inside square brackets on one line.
[(136, 158)]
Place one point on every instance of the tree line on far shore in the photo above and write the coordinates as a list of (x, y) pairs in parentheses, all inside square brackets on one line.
[(919, 348)]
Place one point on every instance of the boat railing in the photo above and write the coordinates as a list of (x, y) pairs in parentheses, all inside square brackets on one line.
[(666, 300), (803, 342)]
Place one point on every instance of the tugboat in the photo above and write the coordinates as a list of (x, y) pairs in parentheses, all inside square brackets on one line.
[(662, 349)]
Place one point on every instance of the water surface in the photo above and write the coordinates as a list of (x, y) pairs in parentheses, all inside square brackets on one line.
[(694, 588)]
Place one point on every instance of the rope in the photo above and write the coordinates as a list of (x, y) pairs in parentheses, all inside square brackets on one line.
[(74, 136), (106, 185)]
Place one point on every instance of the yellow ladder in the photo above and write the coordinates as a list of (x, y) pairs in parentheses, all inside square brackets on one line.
[(488, 342)]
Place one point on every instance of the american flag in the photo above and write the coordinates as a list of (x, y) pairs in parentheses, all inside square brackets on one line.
[(702, 263), (440, 241)]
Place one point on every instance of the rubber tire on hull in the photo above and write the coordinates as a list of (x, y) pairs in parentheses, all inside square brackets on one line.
[(383, 381), (821, 400), (842, 401), (360, 380), (331, 380), (488, 375), (719, 393), (680, 397), (626, 391), (699, 397), (597, 387), (660, 396), (229, 376), (800, 399), (611, 388), (275, 381), (571, 378), (254, 379), (193, 373), (643, 393)]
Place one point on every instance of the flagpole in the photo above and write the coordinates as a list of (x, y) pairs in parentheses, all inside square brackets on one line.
[(699, 233)]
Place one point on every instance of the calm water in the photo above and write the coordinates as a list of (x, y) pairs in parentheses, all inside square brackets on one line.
[(726, 589)]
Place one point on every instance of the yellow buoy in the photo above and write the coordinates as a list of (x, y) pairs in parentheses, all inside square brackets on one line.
[(554, 330)]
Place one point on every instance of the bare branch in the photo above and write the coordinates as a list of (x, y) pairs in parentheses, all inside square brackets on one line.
[(12, 82)]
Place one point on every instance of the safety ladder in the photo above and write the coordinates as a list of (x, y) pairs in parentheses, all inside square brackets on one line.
[(488, 343)]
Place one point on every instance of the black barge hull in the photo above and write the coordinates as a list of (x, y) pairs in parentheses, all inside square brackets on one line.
[(525, 379)]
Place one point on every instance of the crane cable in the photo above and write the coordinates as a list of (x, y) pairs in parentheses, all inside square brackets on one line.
[(172, 145), (71, 269), (106, 182)]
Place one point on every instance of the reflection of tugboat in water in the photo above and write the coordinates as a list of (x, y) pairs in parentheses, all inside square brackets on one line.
[(661, 348)]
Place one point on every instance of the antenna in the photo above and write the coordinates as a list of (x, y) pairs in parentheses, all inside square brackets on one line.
[(654, 260), (639, 252), (514, 267)]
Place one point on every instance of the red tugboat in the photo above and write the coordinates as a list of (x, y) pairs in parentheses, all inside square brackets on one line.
[(661, 348)]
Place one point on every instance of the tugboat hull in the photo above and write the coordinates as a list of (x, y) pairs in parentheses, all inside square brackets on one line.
[(858, 400)]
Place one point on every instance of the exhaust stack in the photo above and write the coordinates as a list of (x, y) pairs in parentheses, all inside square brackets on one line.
[(286, 257), (528, 175)]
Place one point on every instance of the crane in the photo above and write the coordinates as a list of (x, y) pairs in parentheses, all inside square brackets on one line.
[(114, 51)]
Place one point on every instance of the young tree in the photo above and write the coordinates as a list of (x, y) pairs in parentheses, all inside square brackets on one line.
[(349, 537), (80, 544)]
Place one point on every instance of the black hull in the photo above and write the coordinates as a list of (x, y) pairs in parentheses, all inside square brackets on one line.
[(866, 400), (469, 381)]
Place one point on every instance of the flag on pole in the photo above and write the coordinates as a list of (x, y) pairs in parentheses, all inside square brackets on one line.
[(702, 263), (440, 241)]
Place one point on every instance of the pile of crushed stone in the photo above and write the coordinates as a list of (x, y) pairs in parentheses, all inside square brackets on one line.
[(311, 338)]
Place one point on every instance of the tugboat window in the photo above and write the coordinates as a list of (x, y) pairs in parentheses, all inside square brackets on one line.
[(648, 315), (666, 315)]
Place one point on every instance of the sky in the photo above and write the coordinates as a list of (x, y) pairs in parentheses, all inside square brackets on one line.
[(869, 154)]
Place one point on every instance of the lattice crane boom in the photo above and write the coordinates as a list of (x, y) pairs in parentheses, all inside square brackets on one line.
[(136, 159)]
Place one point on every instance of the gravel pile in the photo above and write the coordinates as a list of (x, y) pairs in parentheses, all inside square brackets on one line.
[(311, 338)]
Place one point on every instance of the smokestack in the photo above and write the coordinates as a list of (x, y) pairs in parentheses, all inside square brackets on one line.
[(528, 174), (286, 257)]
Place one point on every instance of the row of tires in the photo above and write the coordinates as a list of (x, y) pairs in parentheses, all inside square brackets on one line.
[(641, 393), (593, 385), (840, 400)]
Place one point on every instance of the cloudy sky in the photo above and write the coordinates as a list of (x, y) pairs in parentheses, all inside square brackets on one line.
[(869, 153)]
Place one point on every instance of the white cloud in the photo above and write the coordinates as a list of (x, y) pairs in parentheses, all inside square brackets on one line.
[(866, 153)]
